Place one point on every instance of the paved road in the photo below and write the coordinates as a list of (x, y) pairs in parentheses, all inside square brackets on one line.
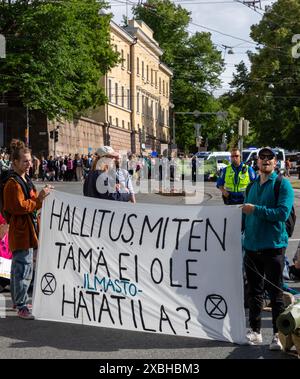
[(40, 339)]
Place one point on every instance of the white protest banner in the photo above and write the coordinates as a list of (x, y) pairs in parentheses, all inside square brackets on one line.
[(5, 265), (142, 267)]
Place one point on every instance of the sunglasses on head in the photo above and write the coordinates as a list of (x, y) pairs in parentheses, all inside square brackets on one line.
[(269, 157)]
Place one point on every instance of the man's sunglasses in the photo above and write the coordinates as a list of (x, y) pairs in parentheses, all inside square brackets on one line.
[(269, 157), (235, 156)]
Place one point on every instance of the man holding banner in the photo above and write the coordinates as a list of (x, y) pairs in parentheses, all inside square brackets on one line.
[(20, 204), (265, 242)]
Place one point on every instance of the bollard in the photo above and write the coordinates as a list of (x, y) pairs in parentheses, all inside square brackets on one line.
[(289, 320), (2, 306)]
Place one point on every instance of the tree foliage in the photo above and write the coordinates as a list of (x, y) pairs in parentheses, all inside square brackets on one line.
[(269, 94), (196, 65), (56, 53)]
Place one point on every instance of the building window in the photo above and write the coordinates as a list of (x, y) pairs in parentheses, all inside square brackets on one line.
[(152, 109), (122, 58), (128, 99), (109, 90), (155, 79), (117, 122), (143, 104), (143, 69), (164, 88), (123, 124), (116, 93), (123, 97), (138, 66), (147, 69), (167, 89), (152, 76), (110, 120), (128, 124), (138, 102), (147, 106), (128, 62), (159, 86)]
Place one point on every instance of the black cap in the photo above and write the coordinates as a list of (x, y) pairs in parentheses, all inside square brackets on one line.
[(267, 150)]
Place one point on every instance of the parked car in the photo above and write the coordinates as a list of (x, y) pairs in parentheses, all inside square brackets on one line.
[(223, 159), (202, 154)]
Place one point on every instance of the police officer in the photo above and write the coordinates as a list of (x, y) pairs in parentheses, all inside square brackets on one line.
[(234, 179)]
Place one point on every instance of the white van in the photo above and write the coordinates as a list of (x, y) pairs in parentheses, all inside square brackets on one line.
[(223, 158), (250, 155)]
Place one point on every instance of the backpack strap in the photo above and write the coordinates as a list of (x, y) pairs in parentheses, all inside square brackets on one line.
[(248, 188), (277, 187)]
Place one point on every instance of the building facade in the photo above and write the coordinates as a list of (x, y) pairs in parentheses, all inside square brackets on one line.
[(136, 116), (138, 91), (150, 83)]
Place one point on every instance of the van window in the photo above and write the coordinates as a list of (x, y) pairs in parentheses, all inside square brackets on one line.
[(279, 155), (245, 155), (223, 158)]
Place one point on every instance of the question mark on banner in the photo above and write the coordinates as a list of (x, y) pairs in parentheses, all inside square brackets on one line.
[(188, 319)]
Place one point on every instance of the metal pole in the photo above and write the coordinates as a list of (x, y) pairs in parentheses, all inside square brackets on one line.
[(54, 149), (174, 136)]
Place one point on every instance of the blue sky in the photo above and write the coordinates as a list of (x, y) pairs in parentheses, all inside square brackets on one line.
[(226, 16)]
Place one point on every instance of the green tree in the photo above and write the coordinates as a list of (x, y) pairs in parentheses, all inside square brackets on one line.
[(195, 62), (269, 94), (56, 53)]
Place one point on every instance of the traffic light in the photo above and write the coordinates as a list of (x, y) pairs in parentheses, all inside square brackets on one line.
[(56, 135), (51, 134)]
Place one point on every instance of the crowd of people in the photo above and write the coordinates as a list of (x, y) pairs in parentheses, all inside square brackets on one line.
[(266, 200)]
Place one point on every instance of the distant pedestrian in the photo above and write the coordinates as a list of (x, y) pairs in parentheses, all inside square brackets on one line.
[(288, 166)]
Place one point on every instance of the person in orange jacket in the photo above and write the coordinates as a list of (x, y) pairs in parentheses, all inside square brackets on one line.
[(21, 201)]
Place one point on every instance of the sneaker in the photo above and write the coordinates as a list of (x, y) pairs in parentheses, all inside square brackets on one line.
[(275, 345), (29, 306), (25, 314), (254, 338)]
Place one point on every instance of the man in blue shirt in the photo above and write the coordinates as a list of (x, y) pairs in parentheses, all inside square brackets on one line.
[(234, 179), (265, 241)]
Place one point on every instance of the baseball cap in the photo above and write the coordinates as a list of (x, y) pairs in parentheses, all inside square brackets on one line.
[(104, 151), (267, 150)]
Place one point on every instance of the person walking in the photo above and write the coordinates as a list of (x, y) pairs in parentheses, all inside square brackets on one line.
[(288, 166), (20, 204), (234, 179), (265, 242)]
